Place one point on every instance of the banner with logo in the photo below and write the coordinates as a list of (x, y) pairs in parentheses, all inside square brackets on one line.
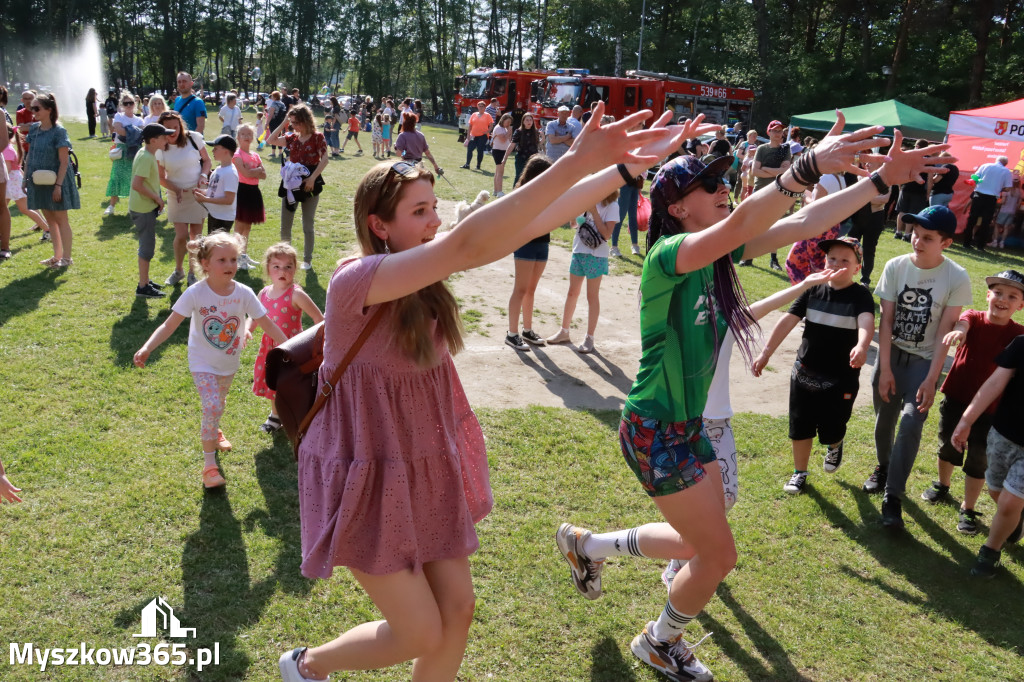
[(980, 136)]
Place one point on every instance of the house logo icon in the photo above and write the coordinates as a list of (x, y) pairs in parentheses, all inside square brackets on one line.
[(158, 615)]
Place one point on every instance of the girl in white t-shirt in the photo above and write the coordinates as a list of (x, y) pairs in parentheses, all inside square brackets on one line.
[(218, 306), (590, 262), (501, 138)]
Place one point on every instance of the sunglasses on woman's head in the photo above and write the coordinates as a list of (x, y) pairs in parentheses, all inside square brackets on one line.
[(403, 168)]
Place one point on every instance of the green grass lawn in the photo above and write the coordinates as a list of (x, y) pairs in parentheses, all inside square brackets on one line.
[(114, 512)]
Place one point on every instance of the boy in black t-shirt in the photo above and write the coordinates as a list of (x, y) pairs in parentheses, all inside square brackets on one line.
[(840, 322), (1005, 472)]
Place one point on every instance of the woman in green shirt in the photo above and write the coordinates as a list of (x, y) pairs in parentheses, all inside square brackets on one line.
[(690, 295)]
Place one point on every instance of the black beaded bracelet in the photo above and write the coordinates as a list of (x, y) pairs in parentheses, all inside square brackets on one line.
[(621, 167), (879, 183), (788, 193)]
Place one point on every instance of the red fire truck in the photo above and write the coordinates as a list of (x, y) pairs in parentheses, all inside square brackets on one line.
[(641, 90), (511, 88)]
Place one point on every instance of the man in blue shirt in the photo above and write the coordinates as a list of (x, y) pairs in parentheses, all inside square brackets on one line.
[(995, 178), (189, 105), (560, 134)]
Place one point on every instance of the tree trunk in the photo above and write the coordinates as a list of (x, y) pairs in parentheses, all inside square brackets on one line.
[(982, 30), (901, 48)]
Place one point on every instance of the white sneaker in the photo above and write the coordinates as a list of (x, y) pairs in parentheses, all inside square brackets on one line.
[(288, 664), (674, 659), (588, 344), (305, 266), (191, 279), (499, 194), (243, 263), (174, 278), (635, 249), (253, 263), (561, 337), (796, 483), (109, 210), (614, 252)]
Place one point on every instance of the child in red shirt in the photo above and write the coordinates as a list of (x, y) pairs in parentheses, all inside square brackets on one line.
[(353, 132), (981, 337)]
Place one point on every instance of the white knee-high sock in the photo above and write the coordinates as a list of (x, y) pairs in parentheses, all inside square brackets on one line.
[(618, 543), (670, 624)]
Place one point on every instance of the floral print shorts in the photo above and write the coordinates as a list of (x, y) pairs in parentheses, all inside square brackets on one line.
[(665, 456)]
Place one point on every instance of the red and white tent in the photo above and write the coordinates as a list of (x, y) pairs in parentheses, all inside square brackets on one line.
[(979, 136)]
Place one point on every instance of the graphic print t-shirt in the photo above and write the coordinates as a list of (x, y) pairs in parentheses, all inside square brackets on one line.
[(920, 296), (223, 180), (218, 326)]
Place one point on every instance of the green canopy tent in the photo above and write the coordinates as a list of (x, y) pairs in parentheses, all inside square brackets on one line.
[(890, 113)]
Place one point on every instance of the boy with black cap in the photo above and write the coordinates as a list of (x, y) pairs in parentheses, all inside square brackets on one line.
[(921, 295), (145, 203), (979, 337), (840, 322), (1005, 446), (220, 195)]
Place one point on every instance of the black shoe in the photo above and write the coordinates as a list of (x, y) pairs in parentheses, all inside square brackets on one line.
[(987, 563), (876, 481), (746, 263), (156, 286), (465, 165), (906, 236), (968, 247), (833, 458), (937, 493), (968, 524), (149, 291), (774, 265), (892, 512), (897, 235), (1015, 535)]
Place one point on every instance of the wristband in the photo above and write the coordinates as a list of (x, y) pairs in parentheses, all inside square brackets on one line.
[(879, 183), (629, 179), (778, 186)]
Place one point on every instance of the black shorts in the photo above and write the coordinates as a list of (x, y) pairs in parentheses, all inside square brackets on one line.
[(352, 135), (214, 224), (820, 404), (498, 155), (950, 412)]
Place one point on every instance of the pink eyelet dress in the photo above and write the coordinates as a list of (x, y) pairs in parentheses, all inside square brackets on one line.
[(393, 471), (288, 318)]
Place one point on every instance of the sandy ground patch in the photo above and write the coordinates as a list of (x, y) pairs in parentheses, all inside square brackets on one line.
[(496, 375)]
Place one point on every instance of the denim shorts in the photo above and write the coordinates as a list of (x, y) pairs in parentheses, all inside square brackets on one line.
[(666, 457), (531, 251), (588, 265), (1005, 464)]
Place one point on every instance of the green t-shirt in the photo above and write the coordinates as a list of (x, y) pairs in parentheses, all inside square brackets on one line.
[(679, 344), (145, 166)]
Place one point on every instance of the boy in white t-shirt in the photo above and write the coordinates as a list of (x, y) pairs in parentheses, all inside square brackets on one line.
[(921, 294), (221, 194), (230, 115), (590, 252)]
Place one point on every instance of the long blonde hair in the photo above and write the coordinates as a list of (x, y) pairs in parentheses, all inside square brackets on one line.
[(378, 194)]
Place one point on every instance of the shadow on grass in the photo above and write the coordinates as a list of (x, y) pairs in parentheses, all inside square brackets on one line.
[(941, 577), (23, 295), (276, 473), (129, 333), (114, 226), (769, 647), (566, 386), (219, 598), (313, 286), (608, 663)]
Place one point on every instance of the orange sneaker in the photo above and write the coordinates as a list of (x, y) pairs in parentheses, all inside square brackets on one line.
[(212, 477), (222, 442)]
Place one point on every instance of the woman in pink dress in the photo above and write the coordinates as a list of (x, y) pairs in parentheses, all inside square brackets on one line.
[(393, 471)]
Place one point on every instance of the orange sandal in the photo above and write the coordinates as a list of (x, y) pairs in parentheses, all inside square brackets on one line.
[(212, 477), (223, 443)]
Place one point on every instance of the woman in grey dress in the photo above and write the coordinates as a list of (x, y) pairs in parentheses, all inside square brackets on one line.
[(48, 150)]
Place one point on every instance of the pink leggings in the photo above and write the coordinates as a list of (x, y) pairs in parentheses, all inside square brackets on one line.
[(213, 393)]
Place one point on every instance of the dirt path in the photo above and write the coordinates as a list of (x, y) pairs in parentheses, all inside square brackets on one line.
[(495, 375)]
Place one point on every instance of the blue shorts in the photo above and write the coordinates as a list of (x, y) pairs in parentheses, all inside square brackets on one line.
[(587, 265), (666, 457), (530, 251)]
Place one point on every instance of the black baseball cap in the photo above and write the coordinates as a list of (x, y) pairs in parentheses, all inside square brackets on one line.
[(155, 130), (1009, 277), (225, 141), (938, 218)]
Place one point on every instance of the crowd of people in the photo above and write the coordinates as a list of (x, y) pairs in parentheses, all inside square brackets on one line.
[(393, 474)]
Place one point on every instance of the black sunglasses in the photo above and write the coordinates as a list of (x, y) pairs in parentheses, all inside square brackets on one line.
[(710, 183), (403, 168), (36, 109), (128, 104)]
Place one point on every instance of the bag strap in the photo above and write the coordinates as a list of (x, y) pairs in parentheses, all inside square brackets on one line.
[(324, 393)]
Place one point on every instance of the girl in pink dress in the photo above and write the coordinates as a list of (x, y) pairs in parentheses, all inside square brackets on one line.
[(393, 471), (285, 302)]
